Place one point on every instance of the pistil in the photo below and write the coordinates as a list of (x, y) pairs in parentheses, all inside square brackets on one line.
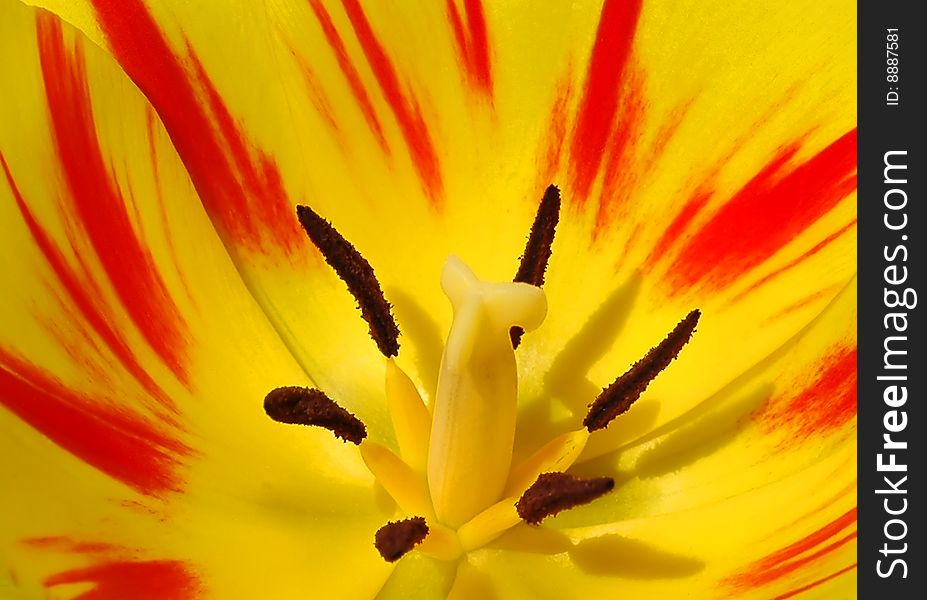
[(473, 429)]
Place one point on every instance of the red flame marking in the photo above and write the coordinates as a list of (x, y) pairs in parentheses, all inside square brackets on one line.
[(766, 214), (99, 205), (597, 112), (815, 583), (827, 402), (618, 173), (242, 193), (139, 580), (827, 293), (472, 43), (667, 131), (151, 134), (551, 147), (405, 107), (797, 261), (793, 557), (350, 73), (320, 100), (113, 439), (59, 543), (88, 304), (673, 233)]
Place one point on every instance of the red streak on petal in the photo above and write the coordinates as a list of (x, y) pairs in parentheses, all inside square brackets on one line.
[(404, 106), (100, 206), (631, 242), (82, 347), (812, 298), (552, 143), (673, 233), (66, 544), (257, 173), (350, 73), (116, 440), (240, 190), (139, 580), (666, 133), (774, 207), (460, 34), (87, 302), (151, 132), (793, 263), (789, 568), (793, 557), (827, 401), (320, 100), (619, 172), (610, 56), (472, 43), (815, 583), (479, 45)]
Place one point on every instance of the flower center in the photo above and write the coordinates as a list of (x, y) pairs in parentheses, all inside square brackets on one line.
[(453, 477)]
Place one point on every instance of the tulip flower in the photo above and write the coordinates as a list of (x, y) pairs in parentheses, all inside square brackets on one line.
[(604, 256)]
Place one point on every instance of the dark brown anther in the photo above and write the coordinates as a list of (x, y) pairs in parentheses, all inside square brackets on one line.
[(357, 273), (539, 247), (307, 406), (540, 240), (394, 540), (554, 492), (624, 391)]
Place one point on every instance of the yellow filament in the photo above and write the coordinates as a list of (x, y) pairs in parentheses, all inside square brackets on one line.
[(410, 417), (406, 486), (557, 455), (442, 543), (489, 524)]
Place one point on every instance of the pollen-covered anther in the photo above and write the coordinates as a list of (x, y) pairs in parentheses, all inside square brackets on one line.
[(538, 249), (555, 492), (308, 406), (617, 398), (359, 276), (395, 539)]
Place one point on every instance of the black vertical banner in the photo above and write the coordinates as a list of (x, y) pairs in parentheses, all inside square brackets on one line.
[(892, 267)]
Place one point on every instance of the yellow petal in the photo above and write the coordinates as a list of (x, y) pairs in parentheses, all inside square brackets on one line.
[(700, 169), (403, 90), (418, 576), (133, 361)]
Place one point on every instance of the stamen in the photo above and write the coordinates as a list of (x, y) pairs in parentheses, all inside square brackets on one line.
[(624, 391), (554, 492), (539, 247), (307, 406), (357, 273), (394, 540)]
